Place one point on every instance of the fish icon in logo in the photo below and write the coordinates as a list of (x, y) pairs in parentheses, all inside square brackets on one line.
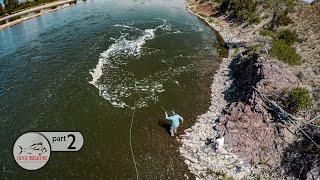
[(31, 150), (36, 148)]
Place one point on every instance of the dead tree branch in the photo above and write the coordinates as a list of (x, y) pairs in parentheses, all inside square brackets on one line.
[(288, 118), (283, 116)]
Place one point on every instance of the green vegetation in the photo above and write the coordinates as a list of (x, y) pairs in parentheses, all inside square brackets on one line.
[(242, 10), (12, 6), (280, 10), (254, 18), (216, 173), (226, 177), (288, 36), (246, 10), (284, 52), (266, 32), (257, 48), (14, 18), (258, 176), (54, 7), (296, 100), (1, 10), (283, 20), (281, 45), (221, 46), (220, 174)]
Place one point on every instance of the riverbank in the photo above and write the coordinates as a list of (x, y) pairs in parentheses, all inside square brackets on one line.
[(200, 157), (257, 144), (27, 14)]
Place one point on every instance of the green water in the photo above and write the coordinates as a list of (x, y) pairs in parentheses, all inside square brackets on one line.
[(85, 68)]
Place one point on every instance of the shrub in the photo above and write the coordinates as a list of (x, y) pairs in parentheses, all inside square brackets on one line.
[(3, 22), (297, 99), (266, 32), (14, 18), (1, 10), (241, 10), (288, 36), (283, 20), (254, 18), (280, 10), (284, 52)]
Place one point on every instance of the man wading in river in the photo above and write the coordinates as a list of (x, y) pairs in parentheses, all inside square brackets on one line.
[(174, 122)]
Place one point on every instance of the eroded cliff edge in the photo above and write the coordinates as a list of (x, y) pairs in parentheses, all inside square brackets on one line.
[(261, 141)]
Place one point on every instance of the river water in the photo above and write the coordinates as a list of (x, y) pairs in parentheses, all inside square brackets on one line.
[(86, 67)]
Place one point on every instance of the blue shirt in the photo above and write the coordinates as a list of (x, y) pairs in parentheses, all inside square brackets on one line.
[(174, 120)]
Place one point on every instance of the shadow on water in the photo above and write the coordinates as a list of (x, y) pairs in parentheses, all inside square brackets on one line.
[(165, 125)]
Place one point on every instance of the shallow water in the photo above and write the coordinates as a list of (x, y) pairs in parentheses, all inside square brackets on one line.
[(86, 67)]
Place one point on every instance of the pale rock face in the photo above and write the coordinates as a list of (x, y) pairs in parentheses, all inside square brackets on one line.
[(220, 143), (219, 146), (200, 157)]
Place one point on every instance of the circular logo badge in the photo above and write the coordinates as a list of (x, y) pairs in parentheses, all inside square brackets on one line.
[(31, 151)]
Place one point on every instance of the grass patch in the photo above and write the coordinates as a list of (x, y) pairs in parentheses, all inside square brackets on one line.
[(254, 18), (216, 173), (226, 177), (220, 174), (210, 20), (257, 48), (296, 99), (288, 36), (284, 52), (266, 32)]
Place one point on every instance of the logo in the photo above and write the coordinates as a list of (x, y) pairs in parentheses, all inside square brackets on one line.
[(31, 151)]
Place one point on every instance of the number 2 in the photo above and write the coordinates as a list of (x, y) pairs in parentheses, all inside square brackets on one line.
[(71, 144)]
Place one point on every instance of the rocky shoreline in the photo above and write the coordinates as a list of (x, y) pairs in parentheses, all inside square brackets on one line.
[(256, 144), (200, 157)]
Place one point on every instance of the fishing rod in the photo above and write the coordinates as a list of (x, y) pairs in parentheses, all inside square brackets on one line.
[(164, 109)]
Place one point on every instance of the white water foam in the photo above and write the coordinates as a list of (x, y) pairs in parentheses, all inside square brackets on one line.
[(117, 93), (122, 45), (168, 27)]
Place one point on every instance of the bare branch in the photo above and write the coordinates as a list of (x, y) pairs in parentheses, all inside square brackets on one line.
[(287, 117), (317, 117), (309, 138)]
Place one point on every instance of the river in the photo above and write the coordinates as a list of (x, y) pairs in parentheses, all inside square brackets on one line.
[(86, 67)]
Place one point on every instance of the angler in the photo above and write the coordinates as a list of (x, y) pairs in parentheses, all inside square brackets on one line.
[(175, 122)]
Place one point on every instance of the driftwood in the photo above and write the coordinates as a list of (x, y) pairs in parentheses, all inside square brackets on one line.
[(288, 118), (281, 114)]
